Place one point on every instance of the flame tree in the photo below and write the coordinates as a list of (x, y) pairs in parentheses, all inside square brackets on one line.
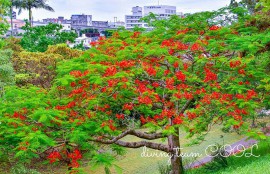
[(186, 74)]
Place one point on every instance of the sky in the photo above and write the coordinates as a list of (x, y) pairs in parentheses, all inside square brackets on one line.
[(106, 10)]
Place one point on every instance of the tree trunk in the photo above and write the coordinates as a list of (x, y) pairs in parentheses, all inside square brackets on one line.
[(175, 152), (11, 18), (30, 15)]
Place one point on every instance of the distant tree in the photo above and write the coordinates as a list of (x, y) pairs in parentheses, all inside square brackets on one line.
[(39, 38), (6, 70), (4, 4), (88, 30), (29, 5)]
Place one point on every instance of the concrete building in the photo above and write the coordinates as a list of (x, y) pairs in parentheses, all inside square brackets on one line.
[(134, 19), (66, 27), (100, 25), (81, 21), (116, 24), (161, 11), (17, 23), (59, 20), (82, 40)]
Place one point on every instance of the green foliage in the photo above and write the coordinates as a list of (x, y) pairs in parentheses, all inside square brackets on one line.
[(6, 70), (38, 68), (108, 33), (4, 7), (20, 169), (37, 39), (238, 163)]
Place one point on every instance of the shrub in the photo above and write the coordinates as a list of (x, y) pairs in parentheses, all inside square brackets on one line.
[(6, 69)]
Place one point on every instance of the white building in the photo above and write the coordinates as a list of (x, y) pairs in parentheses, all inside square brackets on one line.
[(66, 27), (133, 20), (84, 40), (161, 11)]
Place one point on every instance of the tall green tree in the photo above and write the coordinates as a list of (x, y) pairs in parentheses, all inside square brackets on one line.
[(37, 39), (30, 5), (4, 4)]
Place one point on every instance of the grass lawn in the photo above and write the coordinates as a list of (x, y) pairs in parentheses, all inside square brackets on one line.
[(133, 163), (244, 165)]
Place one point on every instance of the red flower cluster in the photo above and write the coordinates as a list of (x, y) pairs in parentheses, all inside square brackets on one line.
[(241, 71), (54, 156), (180, 76), (167, 113), (110, 71), (210, 76), (151, 71), (77, 73), (178, 120), (170, 83), (120, 116), (191, 115), (145, 100), (75, 156), (182, 31), (214, 27), (155, 84), (234, 64), (128, 106), (19, 115), (196, 47), (126, 63), (251, 94)]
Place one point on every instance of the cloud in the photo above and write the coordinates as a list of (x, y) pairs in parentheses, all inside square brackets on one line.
[(108, 9)]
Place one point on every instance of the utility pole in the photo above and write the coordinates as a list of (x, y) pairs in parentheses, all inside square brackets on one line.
[(115, 20)]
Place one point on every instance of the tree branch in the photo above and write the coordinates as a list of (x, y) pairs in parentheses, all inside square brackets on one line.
[(143, 135), (186, 106), (156, 146)]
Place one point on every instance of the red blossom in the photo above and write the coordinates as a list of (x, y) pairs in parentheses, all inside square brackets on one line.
[(120, 116), (128, 106), (166, 72), (110, 71), (72, 84), (178, 120), (234, 64), (196, 47), (170, 83), (151, 71), (54, 156), (241, 71), (180, 76), (182, 31), (145, 100), (176, 65), (191, 115), (210, 76), (214, 27), (155, 84)]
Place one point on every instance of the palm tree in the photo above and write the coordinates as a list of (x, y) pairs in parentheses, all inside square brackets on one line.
[(11, 16), (29, 5)]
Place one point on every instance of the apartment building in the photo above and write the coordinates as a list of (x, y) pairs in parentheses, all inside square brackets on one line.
[(134, 19), (161, 11)]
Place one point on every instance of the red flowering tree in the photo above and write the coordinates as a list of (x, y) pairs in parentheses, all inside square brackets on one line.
[(182, 74)]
